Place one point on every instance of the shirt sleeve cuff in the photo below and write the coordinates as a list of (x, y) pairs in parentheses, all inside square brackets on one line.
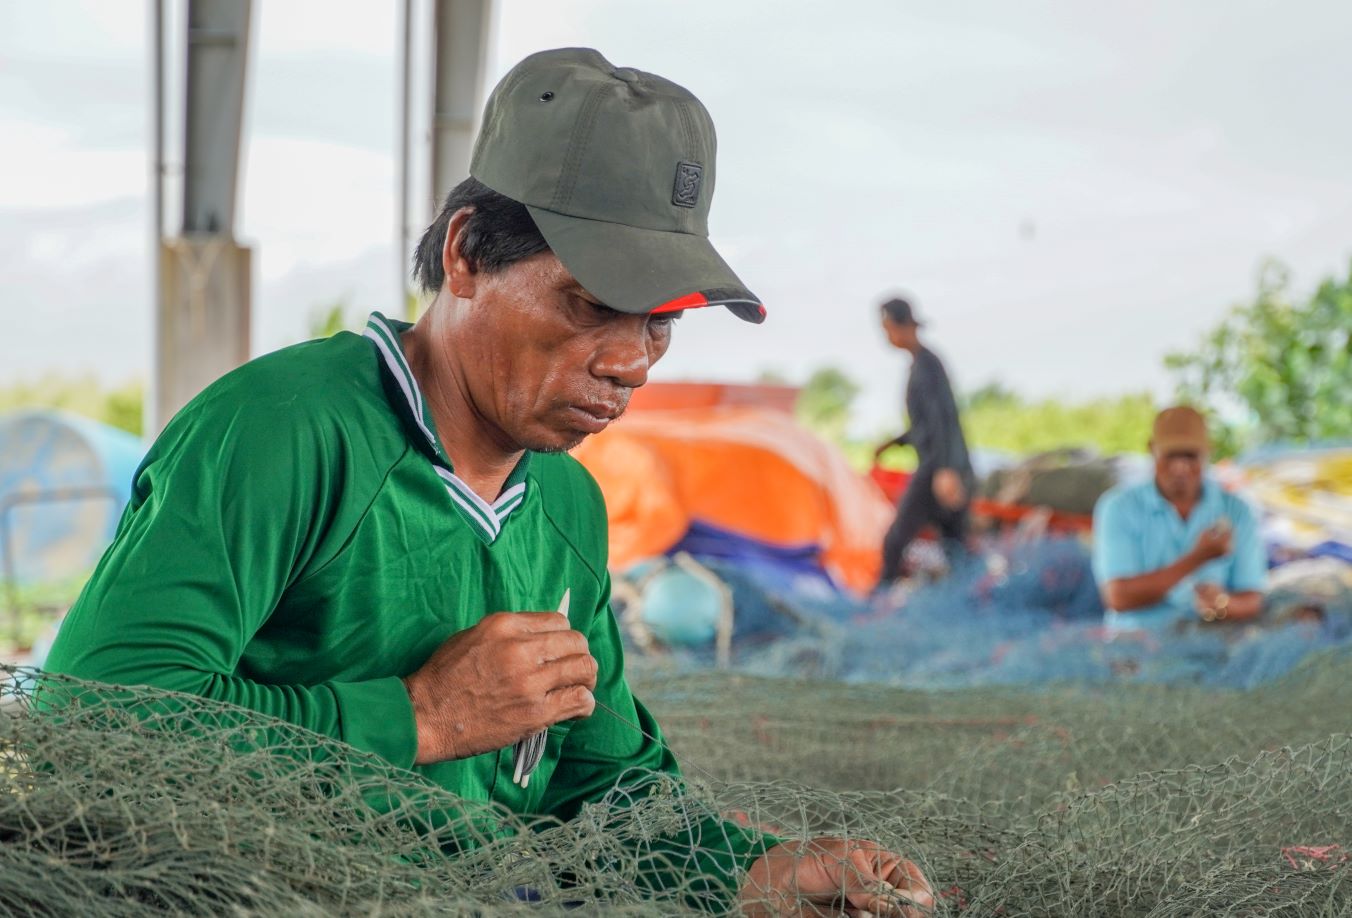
[(377, 716)]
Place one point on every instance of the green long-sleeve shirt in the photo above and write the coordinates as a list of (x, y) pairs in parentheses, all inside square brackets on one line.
[(297, 541)]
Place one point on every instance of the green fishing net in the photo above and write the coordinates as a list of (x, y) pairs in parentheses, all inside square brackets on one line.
[(1132, 801)]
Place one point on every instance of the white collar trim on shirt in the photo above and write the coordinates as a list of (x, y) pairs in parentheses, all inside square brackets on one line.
[(489, 518)]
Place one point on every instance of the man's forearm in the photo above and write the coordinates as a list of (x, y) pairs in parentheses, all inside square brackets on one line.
[(1127, 594), (1244, 606), (373, 715)]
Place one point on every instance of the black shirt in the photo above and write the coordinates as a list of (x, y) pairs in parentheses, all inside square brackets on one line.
[(935, 432)]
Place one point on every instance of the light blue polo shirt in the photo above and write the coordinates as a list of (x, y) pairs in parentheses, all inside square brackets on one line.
[(1136, 531)]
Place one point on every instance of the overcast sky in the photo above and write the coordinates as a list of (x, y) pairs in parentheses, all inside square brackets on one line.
[(1068, 190)]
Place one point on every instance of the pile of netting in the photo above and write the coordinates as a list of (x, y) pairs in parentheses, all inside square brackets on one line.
[(1018, 614), (1133, 801)]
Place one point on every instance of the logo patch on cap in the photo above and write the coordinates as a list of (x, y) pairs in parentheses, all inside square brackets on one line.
[(689, 177)]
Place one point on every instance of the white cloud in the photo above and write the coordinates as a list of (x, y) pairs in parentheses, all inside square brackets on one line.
[(311, 202), (73, 31), (1159, 154), (326, 28), (43, 169)]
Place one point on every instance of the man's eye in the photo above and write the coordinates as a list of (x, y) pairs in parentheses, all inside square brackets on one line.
[(598, 309)]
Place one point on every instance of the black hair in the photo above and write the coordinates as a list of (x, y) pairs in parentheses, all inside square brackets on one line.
[(499, 233), (899, 311)]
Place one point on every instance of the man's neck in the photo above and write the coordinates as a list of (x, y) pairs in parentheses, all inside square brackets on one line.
[(480, 453), (1183, 506)]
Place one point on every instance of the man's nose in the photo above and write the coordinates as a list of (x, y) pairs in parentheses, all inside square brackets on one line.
[(623, 356)]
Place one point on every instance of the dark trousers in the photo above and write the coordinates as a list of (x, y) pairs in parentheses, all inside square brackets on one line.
[(918, 507)]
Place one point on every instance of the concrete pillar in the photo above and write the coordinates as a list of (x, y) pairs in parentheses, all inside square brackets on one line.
[(203, 319), (203, 277)]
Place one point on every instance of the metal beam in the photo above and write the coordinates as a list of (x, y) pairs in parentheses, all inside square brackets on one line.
[(404, 248), (461, 29), (444, 53), (218, 50), (203, 276), (157, 130)]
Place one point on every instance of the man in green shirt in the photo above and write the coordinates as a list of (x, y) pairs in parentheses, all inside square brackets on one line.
[(368, 535)]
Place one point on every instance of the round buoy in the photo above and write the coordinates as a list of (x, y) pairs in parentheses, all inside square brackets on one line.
[(680, 609)]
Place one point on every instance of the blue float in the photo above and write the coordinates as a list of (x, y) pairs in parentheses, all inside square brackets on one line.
[(64, 481)]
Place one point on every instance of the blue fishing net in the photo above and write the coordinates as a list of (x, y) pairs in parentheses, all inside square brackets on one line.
[(1015, 614)]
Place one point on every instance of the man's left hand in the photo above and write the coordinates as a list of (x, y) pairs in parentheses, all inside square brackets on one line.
[(1207, 599), (834, 876)]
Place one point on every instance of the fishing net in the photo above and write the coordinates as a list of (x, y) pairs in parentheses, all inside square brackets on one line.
[(1020, 613), (1135, 801)]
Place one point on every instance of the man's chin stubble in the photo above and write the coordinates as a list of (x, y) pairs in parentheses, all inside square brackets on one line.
[(540, 446)]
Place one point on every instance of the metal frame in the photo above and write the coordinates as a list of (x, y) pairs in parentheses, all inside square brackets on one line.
[(460, 28), (202, 277), (218, 53), (446, 40)]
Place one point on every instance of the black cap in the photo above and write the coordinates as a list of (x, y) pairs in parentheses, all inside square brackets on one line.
[(900, 312)]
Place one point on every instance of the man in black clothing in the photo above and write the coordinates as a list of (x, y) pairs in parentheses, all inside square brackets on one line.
[(940, 490)]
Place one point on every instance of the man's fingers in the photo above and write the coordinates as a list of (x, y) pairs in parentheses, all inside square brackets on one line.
[(575, 669), (909, 882), (903, 903), (884, 884), (553, 646), (571, 702), (860, 880)]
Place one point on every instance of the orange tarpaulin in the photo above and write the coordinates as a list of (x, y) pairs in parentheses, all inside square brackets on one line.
[(751, 470)]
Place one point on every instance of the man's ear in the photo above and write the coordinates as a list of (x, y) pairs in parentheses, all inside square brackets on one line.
[(460, 274)]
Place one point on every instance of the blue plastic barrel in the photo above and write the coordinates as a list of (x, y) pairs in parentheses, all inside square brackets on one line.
[(64, 481)]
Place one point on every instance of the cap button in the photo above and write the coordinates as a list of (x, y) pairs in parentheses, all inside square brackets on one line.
[(627, 74)]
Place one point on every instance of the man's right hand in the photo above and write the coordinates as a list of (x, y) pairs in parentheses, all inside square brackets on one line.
[(1213, 543), (511, 675), (948, 489)]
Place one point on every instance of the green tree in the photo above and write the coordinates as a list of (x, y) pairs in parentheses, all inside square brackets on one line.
[(118, 405), (993, 393), (824, 403), (1274, 369), (329, 319), (414, 305), (997, 418)]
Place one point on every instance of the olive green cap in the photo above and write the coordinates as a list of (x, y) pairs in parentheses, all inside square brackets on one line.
[(616, 166)]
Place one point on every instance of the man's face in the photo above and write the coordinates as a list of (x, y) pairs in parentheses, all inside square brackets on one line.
[(1178, 473), (898, 335), (548, 363)]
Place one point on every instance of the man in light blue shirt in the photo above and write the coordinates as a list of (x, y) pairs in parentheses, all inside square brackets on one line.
[(1177, 548)]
